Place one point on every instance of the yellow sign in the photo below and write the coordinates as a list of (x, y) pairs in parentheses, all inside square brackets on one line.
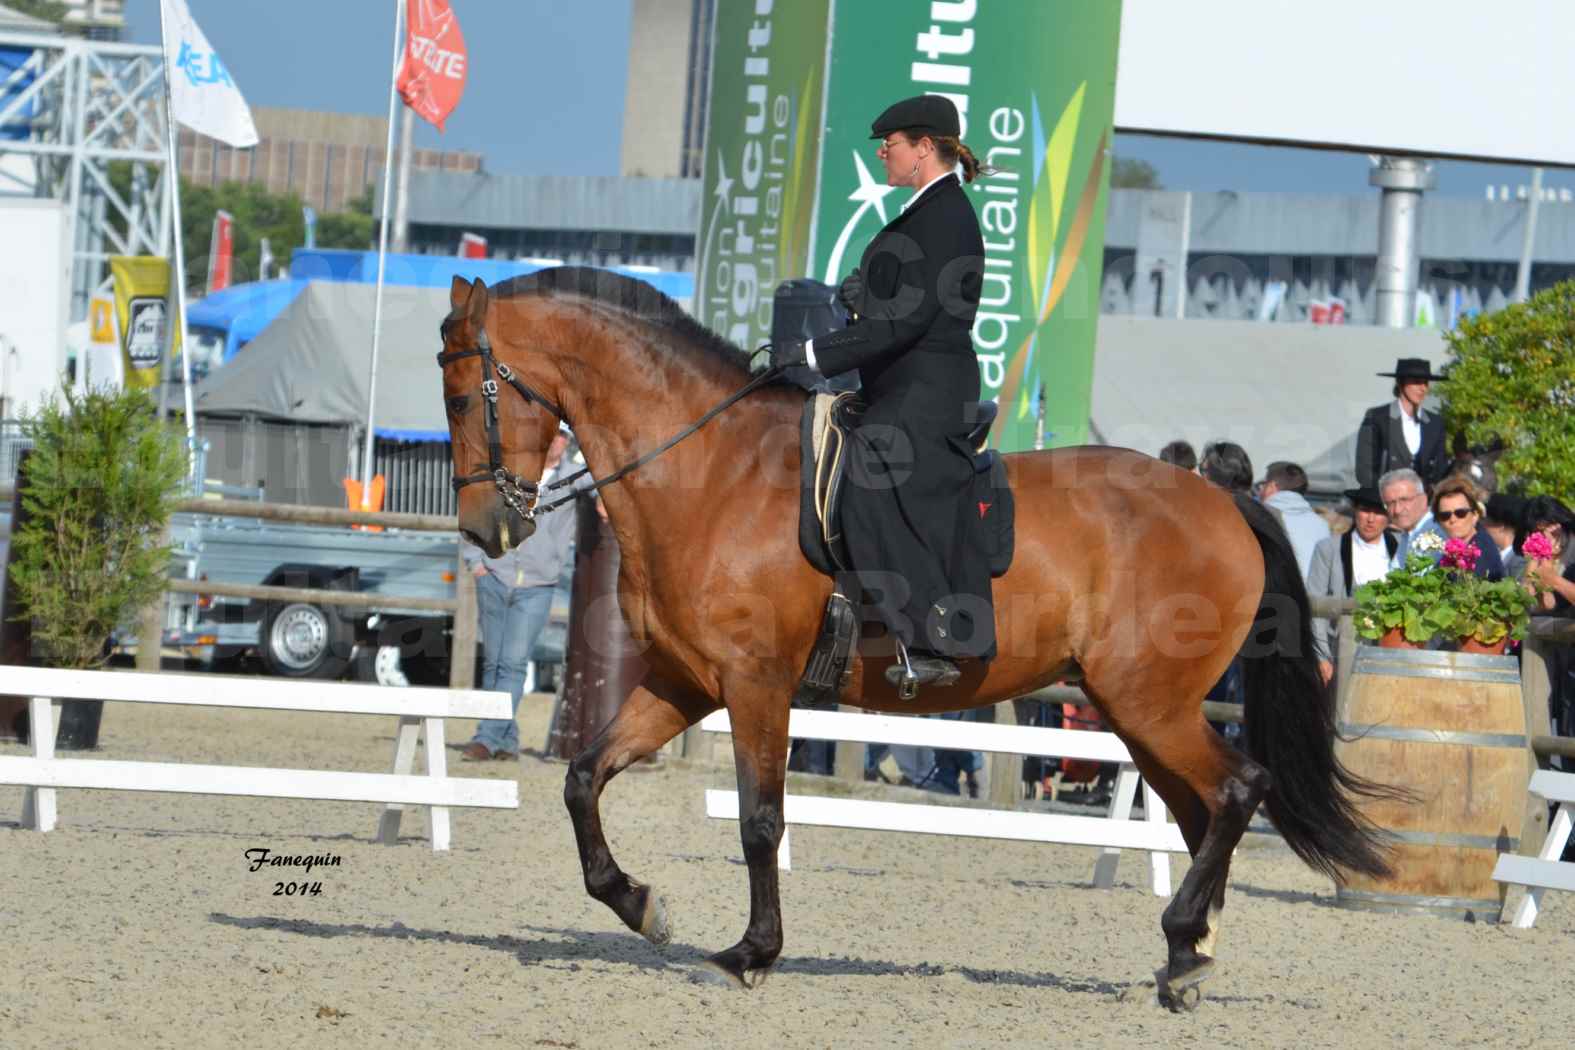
[(141, 287)]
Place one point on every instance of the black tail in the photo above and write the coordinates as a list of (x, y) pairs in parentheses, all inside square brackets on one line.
[(1290, 725)]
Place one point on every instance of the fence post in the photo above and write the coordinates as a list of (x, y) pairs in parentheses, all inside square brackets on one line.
[(16, 636), (1344, 664), (1536, 686), (150, 624), (462, 652), (848, 760), (1005, 771)]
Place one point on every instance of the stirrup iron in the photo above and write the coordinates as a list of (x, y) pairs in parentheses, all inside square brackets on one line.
[(907, 682)]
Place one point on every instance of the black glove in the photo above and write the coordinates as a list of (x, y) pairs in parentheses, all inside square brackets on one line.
[(789, 352), (851, 291)]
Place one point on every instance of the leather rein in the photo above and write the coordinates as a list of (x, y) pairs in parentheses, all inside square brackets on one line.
[(522, 496)]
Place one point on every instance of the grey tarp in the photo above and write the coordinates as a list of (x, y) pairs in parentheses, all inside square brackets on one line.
[(1291, 392), (311, 364)]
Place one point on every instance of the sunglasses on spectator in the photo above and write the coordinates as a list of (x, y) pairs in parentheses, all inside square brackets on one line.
[(1459, 513)]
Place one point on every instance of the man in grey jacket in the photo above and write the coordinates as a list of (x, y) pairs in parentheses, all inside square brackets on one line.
[(514, 598), (1343, 563), (1283, 491)]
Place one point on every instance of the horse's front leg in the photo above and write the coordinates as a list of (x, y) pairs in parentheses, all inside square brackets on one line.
[(644, 723), (759, 714)]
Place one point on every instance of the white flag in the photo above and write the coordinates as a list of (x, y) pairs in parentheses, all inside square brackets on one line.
[(204, 96)]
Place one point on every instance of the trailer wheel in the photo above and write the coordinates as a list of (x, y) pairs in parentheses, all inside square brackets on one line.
[(302, 640), (381, 665)]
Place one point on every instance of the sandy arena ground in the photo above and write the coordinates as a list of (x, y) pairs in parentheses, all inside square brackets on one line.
[(138, 924)]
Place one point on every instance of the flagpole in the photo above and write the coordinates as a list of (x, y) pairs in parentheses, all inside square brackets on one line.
[(178, 269), (382, 254)]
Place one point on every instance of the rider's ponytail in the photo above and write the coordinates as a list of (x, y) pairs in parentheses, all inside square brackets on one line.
[(953, 153)]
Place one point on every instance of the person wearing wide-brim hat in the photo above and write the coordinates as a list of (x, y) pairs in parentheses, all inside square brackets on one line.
[(1342, 563), (914, 297), (1401, 433)]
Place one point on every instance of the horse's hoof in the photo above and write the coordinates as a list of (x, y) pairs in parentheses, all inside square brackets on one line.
[(716, 976), (1183, 993), (654, 926)]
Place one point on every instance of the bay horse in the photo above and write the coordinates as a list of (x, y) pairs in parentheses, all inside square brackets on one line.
[(1136, 579)]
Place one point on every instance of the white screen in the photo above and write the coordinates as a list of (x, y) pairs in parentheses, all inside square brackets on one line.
[(1460, 78)]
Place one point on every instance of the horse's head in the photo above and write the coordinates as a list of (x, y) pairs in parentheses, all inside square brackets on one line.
[(500, 441)]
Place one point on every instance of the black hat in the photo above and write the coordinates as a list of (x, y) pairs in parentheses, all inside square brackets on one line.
[(1367, 496), (926, 114), (1412, 370), (1505, 508)]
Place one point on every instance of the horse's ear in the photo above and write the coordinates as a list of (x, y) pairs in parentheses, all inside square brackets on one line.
[(477, 307), (458, 293)]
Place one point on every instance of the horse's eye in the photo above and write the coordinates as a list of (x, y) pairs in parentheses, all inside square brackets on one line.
[(457, 405)]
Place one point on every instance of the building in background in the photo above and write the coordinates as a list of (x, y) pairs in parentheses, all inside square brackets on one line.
[(97, 19), (669, 77), (1277, 256), (593, 220), (329, 159)]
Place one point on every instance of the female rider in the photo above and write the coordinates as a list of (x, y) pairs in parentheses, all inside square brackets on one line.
[(911, 531)]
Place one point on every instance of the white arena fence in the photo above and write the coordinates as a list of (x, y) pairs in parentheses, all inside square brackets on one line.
[(1544, 871), (416, 708), (1114, 832)]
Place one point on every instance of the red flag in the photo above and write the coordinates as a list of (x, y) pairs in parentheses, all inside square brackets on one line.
[(432, 78), (221, 252)]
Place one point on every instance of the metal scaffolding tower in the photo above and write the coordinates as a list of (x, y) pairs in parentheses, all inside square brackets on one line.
[(69, 112)]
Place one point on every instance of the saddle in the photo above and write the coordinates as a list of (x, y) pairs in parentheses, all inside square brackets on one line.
[(823, 439)]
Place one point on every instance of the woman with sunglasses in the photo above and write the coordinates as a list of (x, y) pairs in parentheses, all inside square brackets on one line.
[(1457, 507), (914, 299)]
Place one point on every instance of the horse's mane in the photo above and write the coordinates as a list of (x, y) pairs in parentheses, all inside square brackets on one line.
[(628, 295)]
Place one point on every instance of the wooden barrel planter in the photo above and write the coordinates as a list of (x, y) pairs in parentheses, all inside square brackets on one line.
[(1450, 728)]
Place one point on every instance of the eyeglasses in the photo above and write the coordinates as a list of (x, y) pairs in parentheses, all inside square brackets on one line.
[(889, 144), (1403, 499), (1459, 514)]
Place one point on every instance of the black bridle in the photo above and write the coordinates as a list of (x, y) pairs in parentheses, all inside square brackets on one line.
[(521, 496)]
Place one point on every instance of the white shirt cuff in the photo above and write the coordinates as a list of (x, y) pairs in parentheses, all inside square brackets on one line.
[(809, 353)]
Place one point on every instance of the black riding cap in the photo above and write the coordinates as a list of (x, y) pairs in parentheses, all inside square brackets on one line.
[(1413, 370), (925, 114)]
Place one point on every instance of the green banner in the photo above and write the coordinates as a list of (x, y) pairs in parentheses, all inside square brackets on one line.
[(768, 73), (1034, 81)]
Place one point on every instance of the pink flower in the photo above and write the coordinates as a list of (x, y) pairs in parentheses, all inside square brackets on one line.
[(1460, 554), (1538, 546)]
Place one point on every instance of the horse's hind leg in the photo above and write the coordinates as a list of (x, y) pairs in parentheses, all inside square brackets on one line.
[(644, 723), (760, 747), (1212, 790)]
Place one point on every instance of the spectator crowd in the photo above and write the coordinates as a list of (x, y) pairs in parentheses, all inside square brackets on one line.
[(1408, 487)]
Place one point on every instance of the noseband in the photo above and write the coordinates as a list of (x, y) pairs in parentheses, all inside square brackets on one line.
[(520, 495)]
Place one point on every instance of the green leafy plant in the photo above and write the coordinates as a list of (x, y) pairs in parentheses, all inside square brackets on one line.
[(1490, 611), (1417, 598), (1513, 380), (101, 484)]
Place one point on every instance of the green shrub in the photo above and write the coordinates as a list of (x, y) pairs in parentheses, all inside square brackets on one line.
[(101, 484), (1513, 379)]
